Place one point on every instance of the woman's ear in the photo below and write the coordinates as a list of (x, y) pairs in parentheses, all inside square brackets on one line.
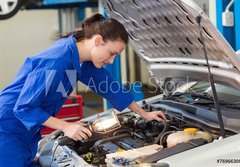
[(98, 40)]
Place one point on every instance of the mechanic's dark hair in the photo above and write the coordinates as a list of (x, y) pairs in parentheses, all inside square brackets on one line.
[(109, 29)]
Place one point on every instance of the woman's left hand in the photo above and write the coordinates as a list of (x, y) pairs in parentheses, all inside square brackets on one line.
[(154, 115)]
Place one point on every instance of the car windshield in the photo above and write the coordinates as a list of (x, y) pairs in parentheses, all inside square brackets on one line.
[(225, 93)]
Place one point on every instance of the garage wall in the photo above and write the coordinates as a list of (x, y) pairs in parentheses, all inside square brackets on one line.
[(32, 31), (23, 35)]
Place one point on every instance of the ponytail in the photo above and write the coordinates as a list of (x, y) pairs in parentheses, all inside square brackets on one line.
[(109, 29), (92, 20)]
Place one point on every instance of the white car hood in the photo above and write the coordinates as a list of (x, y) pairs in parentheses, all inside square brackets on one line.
[(165, 34)]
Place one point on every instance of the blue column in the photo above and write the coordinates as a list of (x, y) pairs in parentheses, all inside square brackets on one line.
[(237, 23), (52, 2), (228, 32), (81, 14)]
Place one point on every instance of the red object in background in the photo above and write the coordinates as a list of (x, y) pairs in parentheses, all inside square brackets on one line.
[(71, 111)]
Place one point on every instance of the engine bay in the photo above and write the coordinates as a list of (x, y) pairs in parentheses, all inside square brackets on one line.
[(138, 141)]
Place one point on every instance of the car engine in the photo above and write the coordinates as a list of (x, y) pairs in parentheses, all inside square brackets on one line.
[(185, 128)]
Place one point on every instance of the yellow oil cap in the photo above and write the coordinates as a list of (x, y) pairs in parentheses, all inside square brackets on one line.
[(190, 131), (120, 150)]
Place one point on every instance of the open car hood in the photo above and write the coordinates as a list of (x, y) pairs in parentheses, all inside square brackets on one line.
[(165, 34)]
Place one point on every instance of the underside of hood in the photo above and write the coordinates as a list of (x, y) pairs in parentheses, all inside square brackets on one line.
[(166, 35)]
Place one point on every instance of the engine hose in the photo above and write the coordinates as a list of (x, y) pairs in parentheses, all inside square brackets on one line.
[(121, 131), (64, 141), (109, 139), (166, 126), (57, 134), (164, 134)]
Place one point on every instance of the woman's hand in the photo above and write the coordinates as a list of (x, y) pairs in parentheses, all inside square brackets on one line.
[(154, 115), (73, 130), (76, 131), (148, 116)]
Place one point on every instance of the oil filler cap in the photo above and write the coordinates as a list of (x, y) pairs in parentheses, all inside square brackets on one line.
[(190, 131)]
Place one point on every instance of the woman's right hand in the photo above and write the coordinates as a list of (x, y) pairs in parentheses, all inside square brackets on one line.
[(76, 131)]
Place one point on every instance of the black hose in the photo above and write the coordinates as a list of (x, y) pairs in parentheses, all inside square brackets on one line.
[(108, 139), (166, 126), (121, 131), (53, 154), (164, 134), (64, 141)]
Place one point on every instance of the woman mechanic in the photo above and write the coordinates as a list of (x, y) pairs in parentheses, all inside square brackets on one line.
[(45, 80)]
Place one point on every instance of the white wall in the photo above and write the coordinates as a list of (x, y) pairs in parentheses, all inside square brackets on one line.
[(209, 6), (23, 35), (212, 11), (204, 4)]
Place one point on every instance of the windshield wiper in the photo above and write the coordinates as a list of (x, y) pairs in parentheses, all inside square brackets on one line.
[(196, 95), (221, 103), (201, 99)]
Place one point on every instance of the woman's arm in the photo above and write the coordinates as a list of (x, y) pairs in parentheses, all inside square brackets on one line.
[(100, 81), (148, 116), (72, 130)]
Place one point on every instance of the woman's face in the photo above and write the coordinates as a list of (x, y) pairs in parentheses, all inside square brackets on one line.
[(104, 52)]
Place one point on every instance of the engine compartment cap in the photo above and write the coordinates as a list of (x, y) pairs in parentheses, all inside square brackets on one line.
[(190, 131)]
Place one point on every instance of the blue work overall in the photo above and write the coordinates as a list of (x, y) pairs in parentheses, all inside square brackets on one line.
[(39, 90)]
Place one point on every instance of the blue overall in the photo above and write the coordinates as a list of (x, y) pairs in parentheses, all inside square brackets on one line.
[(38, 92)]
